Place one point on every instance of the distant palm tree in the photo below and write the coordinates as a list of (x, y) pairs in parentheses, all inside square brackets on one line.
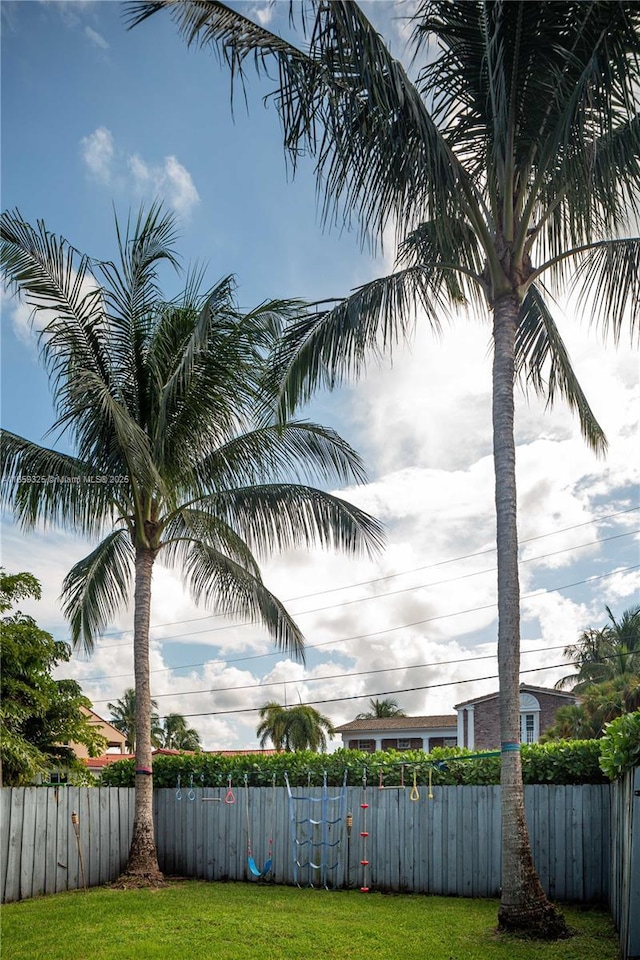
[(179, 455), (608, 653), (177, 735), (382, 709), (123, 718), (294, 728)]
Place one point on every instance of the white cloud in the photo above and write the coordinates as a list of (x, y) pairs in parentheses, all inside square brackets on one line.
[(180, 188), (263, 14), (96, 38), (170, 179), (98, 152)]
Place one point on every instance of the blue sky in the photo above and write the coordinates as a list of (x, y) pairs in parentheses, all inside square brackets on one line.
[(96, 118)]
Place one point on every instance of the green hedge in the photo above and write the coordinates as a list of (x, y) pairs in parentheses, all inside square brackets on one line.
[(575, 761)]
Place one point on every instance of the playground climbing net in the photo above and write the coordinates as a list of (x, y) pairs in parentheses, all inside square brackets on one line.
[(316, 834)]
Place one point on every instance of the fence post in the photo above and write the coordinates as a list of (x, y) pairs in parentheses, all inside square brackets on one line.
[(633, 936)]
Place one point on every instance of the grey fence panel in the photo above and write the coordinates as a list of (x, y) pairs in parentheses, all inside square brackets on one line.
[(449, 844), (5, 834), (16, 817)]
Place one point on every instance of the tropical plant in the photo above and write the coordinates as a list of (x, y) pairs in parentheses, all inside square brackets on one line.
[(294, 728), (176, 734), (123, 718), (379, 709), (39, 717), (177, 454), (510, 168), (604, 654), (600, 703)]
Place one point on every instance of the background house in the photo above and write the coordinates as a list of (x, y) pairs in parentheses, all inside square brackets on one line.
[(116, 740), (479, 720), (400, 733)]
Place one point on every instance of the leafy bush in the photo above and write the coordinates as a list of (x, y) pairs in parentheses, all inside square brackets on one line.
[(620, 746), (558, 762)]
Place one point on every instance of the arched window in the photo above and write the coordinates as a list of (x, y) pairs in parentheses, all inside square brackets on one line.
[(529, 718)]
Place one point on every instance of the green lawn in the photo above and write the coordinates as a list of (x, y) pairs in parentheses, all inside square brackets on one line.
[(191, 920)]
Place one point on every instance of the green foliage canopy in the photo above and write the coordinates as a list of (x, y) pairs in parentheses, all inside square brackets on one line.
[(39, 716)]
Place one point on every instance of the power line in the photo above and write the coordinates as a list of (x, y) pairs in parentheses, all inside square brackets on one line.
[(375, 633), (391, 576), (365, 696), (338, 676)]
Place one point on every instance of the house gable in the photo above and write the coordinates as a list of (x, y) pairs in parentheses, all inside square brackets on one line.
[(479, 719)]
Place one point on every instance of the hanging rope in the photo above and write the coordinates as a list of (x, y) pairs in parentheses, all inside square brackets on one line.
[(415, 794)]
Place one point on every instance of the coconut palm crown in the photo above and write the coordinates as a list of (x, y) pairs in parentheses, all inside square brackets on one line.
[(177, 455), (509, 165)]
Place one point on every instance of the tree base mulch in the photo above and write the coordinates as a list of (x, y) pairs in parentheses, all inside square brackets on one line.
[(139, 881), (544, 923)]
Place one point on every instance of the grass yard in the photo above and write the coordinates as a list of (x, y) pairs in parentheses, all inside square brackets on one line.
[(191, 920)]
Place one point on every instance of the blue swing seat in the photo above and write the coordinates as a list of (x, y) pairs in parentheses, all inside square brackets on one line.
[(255, 870)]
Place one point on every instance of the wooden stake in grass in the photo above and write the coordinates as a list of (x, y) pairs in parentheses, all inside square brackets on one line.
[(75, 820)]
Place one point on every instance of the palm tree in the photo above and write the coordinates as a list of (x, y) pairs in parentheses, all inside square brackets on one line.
[(177, 455), (294, 728), (600, 703), (380, 709), (177, 735), (509, 167), (123, 718), (606, 654)]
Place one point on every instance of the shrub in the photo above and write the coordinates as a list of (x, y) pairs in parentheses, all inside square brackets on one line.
[(620, 745)]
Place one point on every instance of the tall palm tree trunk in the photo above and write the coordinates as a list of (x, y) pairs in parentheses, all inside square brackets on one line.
[(143, 857), (524, 904)]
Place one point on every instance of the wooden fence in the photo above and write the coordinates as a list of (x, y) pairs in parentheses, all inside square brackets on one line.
[(447, 845), (625, 862)]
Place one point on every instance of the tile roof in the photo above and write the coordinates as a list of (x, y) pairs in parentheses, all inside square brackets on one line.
[(107, 758), (400, 723)]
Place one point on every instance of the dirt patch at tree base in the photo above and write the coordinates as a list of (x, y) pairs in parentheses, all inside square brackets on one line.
[(139, 881), (545, 923)]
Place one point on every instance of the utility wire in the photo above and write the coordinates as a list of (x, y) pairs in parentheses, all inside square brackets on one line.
[(439, 563), (367, 696), (375, 633), (337, 676), (379, 596)]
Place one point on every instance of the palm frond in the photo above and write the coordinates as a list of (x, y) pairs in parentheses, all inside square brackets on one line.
[(54, 277), (607, 283), (327, 348), (47, 487), (220, 583), (97, 587), (292, 516), (543, 360), (456, 267), (131, 294), (107, 435), (346, 101), (189, 525), (294, 450)]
